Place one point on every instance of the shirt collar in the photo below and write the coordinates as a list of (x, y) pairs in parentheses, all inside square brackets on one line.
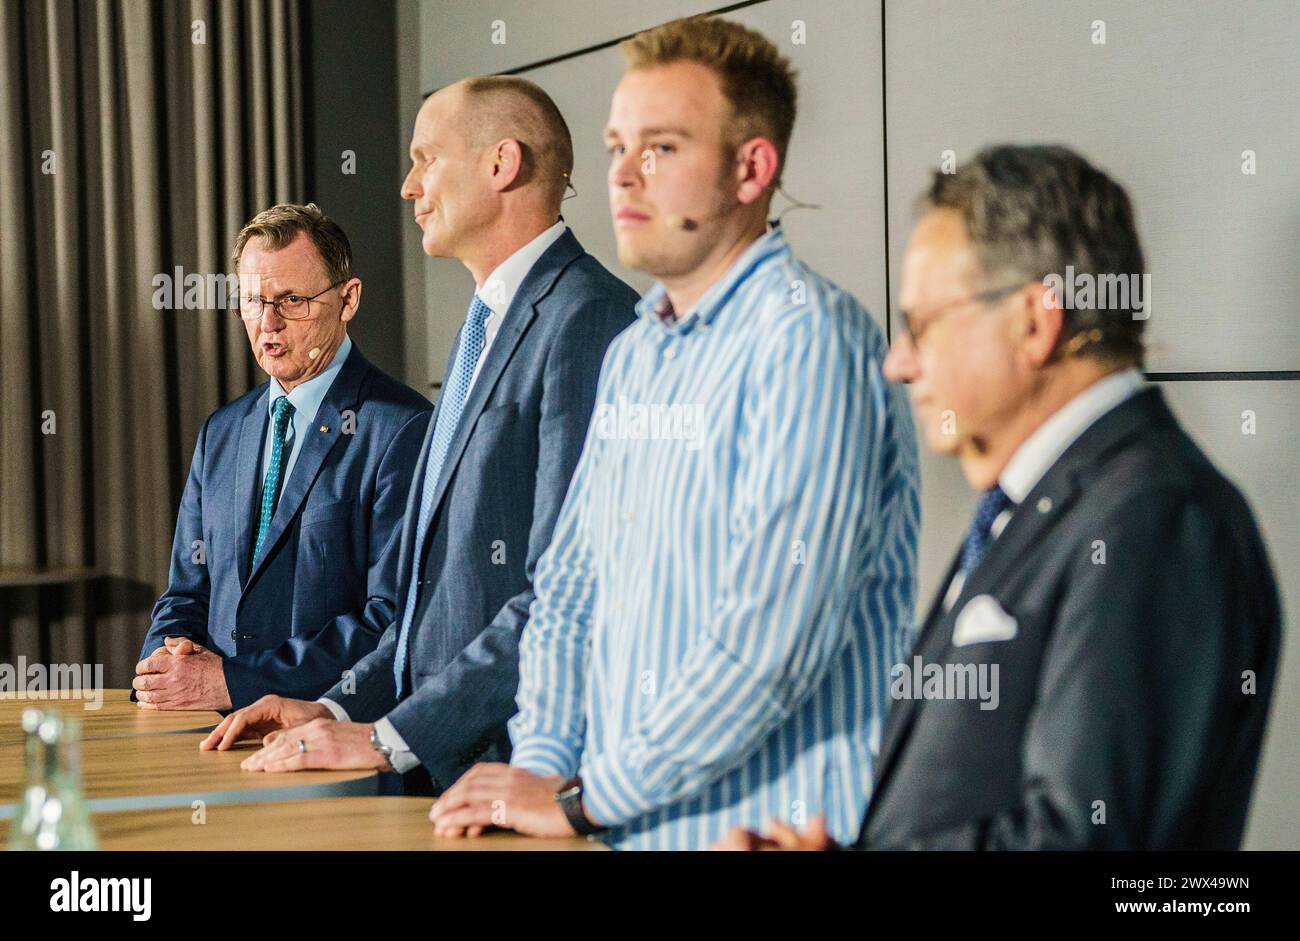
[(500, 287), (655, 304), (1040, 450), (306, 397)]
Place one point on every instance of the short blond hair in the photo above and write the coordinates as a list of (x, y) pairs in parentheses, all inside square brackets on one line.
[(756, 79), (280, 225)]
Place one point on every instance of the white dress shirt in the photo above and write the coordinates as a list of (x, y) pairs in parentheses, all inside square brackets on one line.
[(1036, 455), (497, 291), (306, 398)]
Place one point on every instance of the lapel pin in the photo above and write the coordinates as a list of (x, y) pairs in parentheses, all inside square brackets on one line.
[(1045, 505), (324, 427)]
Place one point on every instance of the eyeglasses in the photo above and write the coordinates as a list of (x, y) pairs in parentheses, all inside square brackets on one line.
[(914, 332), (290, 306)]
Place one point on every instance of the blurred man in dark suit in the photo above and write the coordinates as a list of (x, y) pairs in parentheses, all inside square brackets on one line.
[(1097, 669), (284, 565), (490, 160)]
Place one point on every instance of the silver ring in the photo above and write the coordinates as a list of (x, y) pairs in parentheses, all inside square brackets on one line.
[(302, 746)]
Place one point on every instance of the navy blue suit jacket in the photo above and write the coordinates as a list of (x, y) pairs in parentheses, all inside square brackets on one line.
[(325, 585), (1124, 717), (497, 498)]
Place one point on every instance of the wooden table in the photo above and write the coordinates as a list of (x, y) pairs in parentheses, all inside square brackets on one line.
[(333, 823), (157, 771), (116, 717)]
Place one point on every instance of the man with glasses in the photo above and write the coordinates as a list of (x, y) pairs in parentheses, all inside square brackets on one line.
[(1111, 614), (284, 564)]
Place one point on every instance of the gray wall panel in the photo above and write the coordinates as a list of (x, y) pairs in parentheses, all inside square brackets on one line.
[(458, 35), (354, 107), (1167, 105), (835, 154), (582, 88), (1265, 466)]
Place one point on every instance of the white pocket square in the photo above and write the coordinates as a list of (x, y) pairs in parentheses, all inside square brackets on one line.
[(982, 620)]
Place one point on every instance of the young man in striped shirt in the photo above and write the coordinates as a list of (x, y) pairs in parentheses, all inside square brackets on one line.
[(731, 574)]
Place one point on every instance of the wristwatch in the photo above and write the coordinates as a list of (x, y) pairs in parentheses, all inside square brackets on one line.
[(569, 797), (385, 750)]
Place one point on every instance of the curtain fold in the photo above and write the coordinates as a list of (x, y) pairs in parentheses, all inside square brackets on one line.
[(137, 137)]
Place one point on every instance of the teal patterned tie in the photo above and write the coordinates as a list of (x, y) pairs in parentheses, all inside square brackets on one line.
[(274, 471)]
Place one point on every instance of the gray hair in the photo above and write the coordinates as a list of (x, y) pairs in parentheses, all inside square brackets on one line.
[(1035, 212), (280, 225)]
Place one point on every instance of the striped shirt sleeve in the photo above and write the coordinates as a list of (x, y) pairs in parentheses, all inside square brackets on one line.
[(547, 732)]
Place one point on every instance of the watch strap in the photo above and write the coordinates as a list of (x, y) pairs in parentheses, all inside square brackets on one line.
[(379, 746), (569, 797)]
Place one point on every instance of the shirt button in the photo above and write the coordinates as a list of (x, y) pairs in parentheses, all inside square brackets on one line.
[(232, 635), (670, 352)]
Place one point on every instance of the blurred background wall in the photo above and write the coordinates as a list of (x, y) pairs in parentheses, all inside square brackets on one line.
[(166, 146)]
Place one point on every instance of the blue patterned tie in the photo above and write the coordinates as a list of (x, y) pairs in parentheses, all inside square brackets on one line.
[(274, 471), (472, 337), (992, 502)]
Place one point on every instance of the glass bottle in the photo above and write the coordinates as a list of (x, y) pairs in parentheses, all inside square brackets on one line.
[(36, 786), (54, 814)]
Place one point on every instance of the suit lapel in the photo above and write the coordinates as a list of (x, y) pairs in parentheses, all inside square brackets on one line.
[(1028, 525), (516, 322), (519, 317), (935, 643), (902, 711), (411, 518), (1044, 505), (252, 434), (322, 434), (1059, 488)]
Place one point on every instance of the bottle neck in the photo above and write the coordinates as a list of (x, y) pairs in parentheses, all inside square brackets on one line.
[(36, 763)]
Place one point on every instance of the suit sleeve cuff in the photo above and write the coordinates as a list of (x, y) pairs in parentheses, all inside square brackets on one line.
[(339, 713), (403, 759), (544, 756), (243, 685)]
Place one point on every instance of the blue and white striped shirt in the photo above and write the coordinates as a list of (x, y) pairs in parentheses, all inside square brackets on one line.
[(732, 573)]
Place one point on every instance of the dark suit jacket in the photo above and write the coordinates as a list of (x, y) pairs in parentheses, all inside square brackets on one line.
[(1121, 693), (499, 493), (324, 587)]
